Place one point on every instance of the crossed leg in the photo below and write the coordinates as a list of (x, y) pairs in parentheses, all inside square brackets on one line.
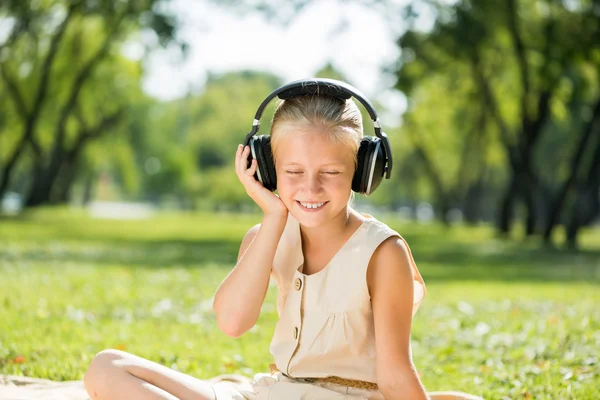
[(115, 374)]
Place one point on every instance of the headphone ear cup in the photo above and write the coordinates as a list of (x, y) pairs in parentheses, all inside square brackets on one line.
[(269, 163), (377, 168), (370, 168), (260, 147), (360, 166)]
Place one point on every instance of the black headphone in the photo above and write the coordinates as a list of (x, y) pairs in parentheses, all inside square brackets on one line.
[(374, 158)]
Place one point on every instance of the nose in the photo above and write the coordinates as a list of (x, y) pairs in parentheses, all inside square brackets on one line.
[(313, 184)]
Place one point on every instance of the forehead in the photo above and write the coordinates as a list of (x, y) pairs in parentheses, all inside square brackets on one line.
[(310, 146)]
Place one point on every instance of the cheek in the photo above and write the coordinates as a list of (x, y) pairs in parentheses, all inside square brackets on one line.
[(339, 183), (285, 186), (342, 186)]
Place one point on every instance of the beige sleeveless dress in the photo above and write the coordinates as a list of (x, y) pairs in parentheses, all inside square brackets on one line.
[(325, 325)]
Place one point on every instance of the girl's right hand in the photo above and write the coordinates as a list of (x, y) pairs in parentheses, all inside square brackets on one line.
[(268, 201)]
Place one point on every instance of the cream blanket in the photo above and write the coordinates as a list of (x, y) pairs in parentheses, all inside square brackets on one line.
[(24, 388)]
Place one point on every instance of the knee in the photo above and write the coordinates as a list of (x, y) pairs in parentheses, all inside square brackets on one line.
[(101, 368), (105, 361)]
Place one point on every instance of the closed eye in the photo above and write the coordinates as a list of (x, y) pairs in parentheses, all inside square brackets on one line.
[(325, 172)]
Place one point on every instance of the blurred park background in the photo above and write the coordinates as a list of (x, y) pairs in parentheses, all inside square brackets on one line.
[(120, 212)]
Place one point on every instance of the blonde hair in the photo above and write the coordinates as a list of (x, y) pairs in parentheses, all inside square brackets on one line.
[(341, 118)]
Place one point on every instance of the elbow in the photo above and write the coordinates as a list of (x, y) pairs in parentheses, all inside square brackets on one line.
[(231, 327), (231, 330), (229, 322)]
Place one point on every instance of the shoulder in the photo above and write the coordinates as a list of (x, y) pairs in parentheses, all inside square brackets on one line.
[(392, 250), (389, 266)]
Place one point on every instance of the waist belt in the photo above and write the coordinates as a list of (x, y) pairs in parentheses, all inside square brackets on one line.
[(331, 379)]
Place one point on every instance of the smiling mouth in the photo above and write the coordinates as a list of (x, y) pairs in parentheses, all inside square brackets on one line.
[(312, 206)]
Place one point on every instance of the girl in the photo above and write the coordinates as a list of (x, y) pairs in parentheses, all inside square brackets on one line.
[(348, 286)]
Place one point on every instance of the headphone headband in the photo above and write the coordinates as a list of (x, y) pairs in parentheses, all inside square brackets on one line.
[(325, 87)]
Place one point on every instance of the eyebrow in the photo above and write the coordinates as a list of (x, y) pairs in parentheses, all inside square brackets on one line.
[(332, 164)]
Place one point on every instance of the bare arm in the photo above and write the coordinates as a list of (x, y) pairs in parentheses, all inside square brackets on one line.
[(391, 287), (240, 296)]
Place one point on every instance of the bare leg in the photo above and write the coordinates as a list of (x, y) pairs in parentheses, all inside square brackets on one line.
[(115, 374), (452, 396)]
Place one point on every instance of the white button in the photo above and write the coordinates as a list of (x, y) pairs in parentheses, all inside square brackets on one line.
[(298, 284)]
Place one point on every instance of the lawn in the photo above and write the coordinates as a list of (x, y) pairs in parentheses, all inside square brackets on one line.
[(501, 319)]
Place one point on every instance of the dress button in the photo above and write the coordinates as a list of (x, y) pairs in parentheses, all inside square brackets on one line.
[(296, 333), (298, 284)]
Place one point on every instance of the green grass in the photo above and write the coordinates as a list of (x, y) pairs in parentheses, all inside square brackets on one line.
[(501, 319)]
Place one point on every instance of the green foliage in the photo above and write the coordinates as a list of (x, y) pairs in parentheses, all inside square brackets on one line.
[(475, 81), (194, 140), (68, 84)]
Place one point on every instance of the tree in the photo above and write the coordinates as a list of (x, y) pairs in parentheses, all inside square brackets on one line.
[(83, 36), (513, 50)]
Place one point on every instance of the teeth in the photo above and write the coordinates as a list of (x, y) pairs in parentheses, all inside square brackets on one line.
[(312, 205)]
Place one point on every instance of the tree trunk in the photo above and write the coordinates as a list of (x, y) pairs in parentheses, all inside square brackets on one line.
[(7, 171), (442, 208), (585, 209), (88, 190), (44, 182), (65, 184), (557, 205), (472, 203), (587, 204), (507, 205), (531, 218)]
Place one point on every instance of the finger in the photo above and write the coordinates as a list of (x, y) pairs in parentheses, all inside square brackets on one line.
[(240, 161), (237, 156), (252, 170), (250, 175)]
